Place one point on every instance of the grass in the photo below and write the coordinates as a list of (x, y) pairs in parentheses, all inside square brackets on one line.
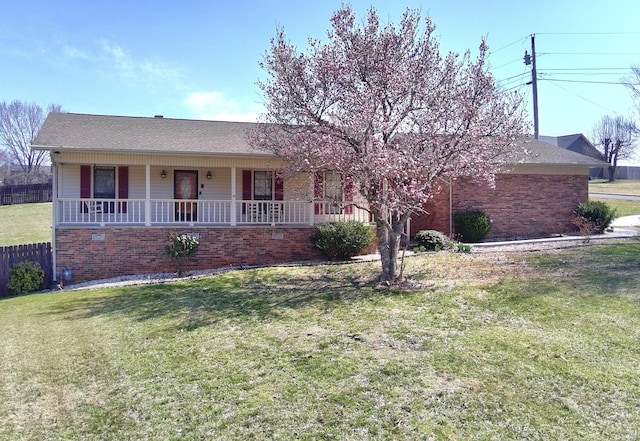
[(25, 223), (622, 207), (620, 187), (483, 346)]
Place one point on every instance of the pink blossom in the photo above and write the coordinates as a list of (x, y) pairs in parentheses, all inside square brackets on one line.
[(382, 106)]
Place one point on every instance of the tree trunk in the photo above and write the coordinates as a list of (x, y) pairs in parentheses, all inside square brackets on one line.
[(612, 173), (389, 243)]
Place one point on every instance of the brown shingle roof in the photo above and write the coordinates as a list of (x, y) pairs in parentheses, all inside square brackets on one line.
[(125, 134), (543, 153)]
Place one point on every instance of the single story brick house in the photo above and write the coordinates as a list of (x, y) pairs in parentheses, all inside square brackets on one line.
[(123, 185), (535, 197)]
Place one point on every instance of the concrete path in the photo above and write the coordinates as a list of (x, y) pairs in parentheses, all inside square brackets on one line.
[(626, 221), (614, 196)]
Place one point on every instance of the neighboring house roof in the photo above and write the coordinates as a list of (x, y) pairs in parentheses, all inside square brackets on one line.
[(125, 134), (543, 153), (576, 143)]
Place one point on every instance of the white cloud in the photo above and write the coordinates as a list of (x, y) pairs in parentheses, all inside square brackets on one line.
[(73, 52), (216, 106), (141, 71)]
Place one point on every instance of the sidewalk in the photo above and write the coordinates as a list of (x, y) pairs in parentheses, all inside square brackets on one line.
[(623, 228), (627, 221)]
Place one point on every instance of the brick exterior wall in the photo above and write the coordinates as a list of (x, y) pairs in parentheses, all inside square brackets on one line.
[(98, 253), (520, 206)]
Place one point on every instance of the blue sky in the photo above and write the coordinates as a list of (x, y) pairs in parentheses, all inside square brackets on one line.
[(199, 59)]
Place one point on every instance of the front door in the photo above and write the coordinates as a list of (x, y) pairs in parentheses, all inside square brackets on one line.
[(185, 186)]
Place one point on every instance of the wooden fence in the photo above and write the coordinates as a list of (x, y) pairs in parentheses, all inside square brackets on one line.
[(25, 194), (37, 252)]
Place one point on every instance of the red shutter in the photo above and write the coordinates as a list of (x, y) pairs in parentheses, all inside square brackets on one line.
[(246, 185), (85, 181), (85, 185), (123, 187), (318, 191), (246, 188), (278, 187), (348, 195)]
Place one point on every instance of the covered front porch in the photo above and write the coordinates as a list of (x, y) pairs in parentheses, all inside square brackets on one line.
[(115, 193)]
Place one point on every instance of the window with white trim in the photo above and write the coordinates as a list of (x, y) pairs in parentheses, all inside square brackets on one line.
[(333, 192), (104, 182), (263, 185)]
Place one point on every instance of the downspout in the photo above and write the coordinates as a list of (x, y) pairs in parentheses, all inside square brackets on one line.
[(450, 183), (54, 209), (450, 207)]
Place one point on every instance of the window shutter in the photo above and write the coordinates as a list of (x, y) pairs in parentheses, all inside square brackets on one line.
[(246, 188), (85, 181), (318, 191), (123, 187), (348, 194), (85, 185), (278, 187), (246, 185)]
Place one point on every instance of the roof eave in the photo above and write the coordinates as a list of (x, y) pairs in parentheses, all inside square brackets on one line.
[(151, 152)]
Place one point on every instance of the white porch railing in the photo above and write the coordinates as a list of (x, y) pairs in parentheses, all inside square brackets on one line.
[(100, 211), (72, 211), (172, 211)]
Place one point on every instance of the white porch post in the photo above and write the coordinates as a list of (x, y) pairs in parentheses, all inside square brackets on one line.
[(233, 197), (147, 202), (312, 211)]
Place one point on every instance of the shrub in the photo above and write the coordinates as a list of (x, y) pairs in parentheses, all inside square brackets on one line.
[(464, 248), (25, 277), (433, 240), (472, 226), (419, 249), (343, 240), (182, 248), (595, 214)]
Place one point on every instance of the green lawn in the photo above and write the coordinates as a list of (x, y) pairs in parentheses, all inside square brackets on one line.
[(623, 187), (25, 223), (622, 207), (482, 346)]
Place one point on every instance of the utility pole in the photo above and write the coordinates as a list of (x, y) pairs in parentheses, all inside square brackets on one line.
[(531, 60)]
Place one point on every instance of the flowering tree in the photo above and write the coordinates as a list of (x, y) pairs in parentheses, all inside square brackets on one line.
[(381, 106)]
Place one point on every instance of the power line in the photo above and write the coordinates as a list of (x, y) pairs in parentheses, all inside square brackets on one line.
[(512, 79), (614, 54), (507, 64), (515, 87), (580, 74), (520, 40), (588, 33), (590, 68), (592, 82), (553, 82)]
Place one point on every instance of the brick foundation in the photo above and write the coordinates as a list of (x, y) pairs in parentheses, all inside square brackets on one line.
[(98, 253), (520, 206)]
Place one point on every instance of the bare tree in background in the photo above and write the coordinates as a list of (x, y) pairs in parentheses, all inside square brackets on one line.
[(633, 84), (20, 123), (615, 137)]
